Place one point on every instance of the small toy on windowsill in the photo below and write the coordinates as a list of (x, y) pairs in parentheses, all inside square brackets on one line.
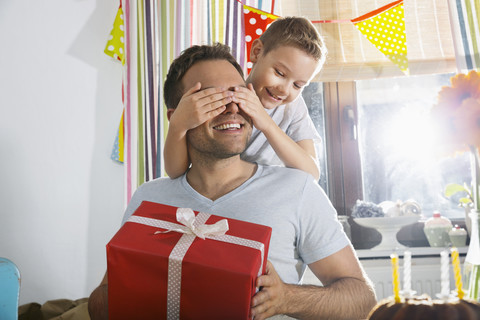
[(365, 209), (387, 218)]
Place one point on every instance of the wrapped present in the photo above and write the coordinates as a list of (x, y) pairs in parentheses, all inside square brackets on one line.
[(173, 263)]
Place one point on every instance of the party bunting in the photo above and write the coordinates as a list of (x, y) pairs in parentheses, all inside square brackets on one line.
[(117, 152), (115, 44), (115, 49), (385, 29), (256, 22), (155, 32)]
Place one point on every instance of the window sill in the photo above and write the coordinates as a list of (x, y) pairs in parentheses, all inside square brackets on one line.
[(417, 252), (411, 236)]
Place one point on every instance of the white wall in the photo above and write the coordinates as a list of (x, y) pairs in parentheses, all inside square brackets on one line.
[(61, 197)]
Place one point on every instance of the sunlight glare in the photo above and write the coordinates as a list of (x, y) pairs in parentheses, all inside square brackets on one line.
[(410, 136)]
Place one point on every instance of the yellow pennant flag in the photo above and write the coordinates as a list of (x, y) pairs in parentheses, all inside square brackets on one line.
[(385, 28), (115, 45)]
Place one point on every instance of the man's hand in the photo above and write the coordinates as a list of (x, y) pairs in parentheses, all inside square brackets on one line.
[(98, 301), (271, 297), (198, 106), (248, 101)]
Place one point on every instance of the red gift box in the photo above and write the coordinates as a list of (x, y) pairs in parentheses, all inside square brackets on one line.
[(156, 271)]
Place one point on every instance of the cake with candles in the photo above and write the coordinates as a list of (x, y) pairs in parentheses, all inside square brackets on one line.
[(416, 307), (423, 307)]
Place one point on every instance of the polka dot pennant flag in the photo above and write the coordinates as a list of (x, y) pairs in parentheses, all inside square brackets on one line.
[(115, 44), (385, 28), (256, 22), (118, 145)]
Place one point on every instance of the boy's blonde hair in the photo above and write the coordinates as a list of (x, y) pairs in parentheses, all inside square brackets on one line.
[(297, 32)]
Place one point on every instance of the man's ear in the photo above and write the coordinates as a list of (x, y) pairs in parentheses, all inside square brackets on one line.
[(256, 50), (169, 113)]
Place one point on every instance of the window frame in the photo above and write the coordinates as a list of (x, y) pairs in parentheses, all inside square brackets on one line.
[(344, 170)]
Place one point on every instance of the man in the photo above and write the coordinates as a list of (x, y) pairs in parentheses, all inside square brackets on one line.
[(305, 230)]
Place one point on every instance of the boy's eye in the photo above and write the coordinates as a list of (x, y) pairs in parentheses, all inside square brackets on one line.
[(297, 86), (279, 72)]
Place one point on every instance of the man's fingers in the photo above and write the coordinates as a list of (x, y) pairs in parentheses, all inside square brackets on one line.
[(262, 305), (261, 297)]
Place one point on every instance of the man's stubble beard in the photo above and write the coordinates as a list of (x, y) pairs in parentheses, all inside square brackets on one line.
[(210, 149)]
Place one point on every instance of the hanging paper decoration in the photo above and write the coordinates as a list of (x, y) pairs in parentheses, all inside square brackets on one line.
[(115, 47), (256, 22), (385, 28), (117, 152), (465, 18), (156, 32)]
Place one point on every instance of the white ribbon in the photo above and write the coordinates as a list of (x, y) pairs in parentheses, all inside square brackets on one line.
[(186, 216), (192, 227)]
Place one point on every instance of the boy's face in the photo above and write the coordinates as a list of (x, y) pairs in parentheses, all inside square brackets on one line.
[(279, 76)]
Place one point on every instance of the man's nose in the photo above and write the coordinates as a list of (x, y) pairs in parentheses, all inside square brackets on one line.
[(232, 107)]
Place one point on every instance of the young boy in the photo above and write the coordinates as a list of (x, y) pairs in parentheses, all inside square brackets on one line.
[(285, 58)]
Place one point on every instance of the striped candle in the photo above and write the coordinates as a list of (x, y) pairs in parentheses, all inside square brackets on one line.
[(395, 276), (457, 272)]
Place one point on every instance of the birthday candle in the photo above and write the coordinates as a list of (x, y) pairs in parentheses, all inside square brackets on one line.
[(456, 271), (407, 272), (444, 274), (396, 280)]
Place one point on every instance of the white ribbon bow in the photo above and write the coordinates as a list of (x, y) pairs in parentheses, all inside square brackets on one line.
[(186, 216)]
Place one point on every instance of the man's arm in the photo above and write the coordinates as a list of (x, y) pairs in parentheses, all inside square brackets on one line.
[(347, 293), (98, 301)]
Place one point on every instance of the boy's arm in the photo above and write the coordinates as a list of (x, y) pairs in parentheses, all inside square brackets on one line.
[(346, 294), (300, 155), (195, 107), (175, 153)]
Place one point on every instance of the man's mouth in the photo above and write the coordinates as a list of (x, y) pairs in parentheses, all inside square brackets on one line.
[(228, 126), (273, 96)]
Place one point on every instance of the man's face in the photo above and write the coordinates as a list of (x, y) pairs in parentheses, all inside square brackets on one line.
[(225, 135)]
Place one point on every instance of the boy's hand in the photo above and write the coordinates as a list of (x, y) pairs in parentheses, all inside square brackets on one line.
[(248, 101), (272, 296), (198, 106)]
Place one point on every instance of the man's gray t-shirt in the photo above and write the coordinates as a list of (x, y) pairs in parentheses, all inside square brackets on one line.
[(304, 225)]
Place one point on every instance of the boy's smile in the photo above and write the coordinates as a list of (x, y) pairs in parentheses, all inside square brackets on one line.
[(280, 75)]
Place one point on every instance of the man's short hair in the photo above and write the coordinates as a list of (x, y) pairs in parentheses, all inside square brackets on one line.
[(173, 89), (297, 32)]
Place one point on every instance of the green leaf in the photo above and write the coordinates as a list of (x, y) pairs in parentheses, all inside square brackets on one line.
[(465, 200), (453, 188)]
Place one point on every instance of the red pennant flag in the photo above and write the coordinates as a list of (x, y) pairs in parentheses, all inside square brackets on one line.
[(256, 22)]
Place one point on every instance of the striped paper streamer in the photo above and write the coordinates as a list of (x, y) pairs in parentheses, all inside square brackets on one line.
[(156, 32), (465, 22), (166, 26)]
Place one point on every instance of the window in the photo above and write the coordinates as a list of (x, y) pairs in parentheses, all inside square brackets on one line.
[(313, 96), (379, 147), (398, 160)]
